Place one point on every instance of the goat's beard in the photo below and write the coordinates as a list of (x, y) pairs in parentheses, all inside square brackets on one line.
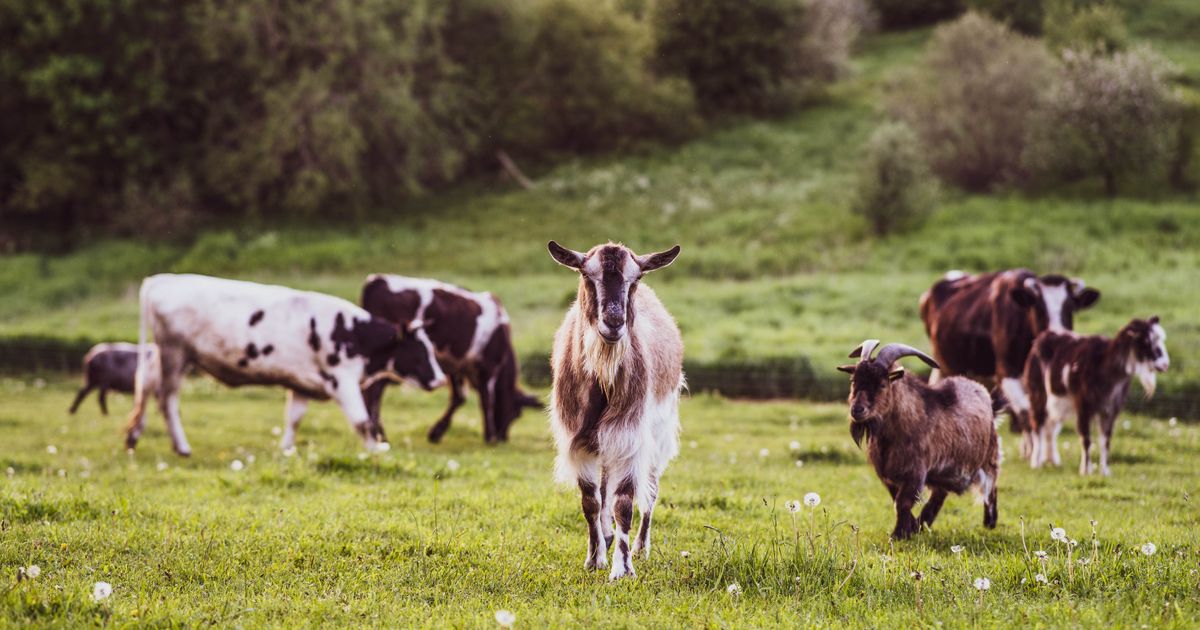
[(1146, 376), (604, 359)]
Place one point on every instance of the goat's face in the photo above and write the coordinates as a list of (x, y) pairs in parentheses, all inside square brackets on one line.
[(1052, 300), (869, 381), (610, 277)]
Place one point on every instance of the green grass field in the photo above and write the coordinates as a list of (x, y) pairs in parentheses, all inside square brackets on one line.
[(411, 539)]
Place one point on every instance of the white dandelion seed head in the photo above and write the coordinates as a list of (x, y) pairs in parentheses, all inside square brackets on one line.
[(685, 554), (956, 548), (1073, 542), (1059, 534), (32, 571), (799, 463), (362, 456), (161, 466), (101, 591), (812, 499), (1148, 549), (10, 471), (1173, 421), (916, 575), (792, 506), (1127, 425), (734, 589), (1041, 578), (62, 472), (1083, 562), (693, 444), (1040, 554), (982, 584), (236, 465), (762, 452), (505, 618), (250, 458), (289, 451), (52, 449), (276, 430), (452, 465), (793, 446), (383, 447)]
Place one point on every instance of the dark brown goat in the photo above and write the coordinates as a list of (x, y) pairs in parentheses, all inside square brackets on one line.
[(941, 436)]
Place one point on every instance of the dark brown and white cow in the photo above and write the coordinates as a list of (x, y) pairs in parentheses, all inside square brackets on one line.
[(983, 325), (1088, 376), (317, 346), (112, 366), (471, 334)]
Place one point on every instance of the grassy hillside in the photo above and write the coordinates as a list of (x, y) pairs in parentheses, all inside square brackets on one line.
[(411, 540), (773, 263)]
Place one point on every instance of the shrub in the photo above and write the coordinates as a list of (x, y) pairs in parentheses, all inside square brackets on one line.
[(1108, 116), (895, 191), (1099, 26), (1185, 158), (820, 50), (973, 99), (1023, 16), (905, 13)]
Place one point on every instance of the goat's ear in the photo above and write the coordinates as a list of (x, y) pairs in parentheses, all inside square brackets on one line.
[(566, 257), (1153, 320), (895, 374), (1086, 298), (650, 262), (849, 369)]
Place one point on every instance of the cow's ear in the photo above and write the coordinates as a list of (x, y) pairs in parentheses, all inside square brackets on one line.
[(1024, 295), (374, 335), (566, 257), (849, 369), (1153, 319), (658, 260), (1086, 298), (896, 374)]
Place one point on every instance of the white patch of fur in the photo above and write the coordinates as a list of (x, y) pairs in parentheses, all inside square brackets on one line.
[(1014, 391), (1055, 296), (1146, 376), (491, 316), (955, 274), (983, 485)]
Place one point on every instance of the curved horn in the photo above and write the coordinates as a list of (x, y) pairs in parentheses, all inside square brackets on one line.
[(895, 351), (864, 350)]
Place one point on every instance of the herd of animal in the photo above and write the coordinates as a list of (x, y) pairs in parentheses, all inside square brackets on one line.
[(618, 373)]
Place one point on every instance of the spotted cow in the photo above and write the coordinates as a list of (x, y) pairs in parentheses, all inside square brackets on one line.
[(317, 346), (473, 340)]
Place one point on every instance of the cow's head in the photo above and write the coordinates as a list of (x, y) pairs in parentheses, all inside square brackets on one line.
[(1146, 344), (871, 380), (404, 350), (610, 275), (1052, 300)]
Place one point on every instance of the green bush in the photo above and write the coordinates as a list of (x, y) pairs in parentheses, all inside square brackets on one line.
[(1185, 158), (895, 191), (820, 48), (1023, 16), (1098, 26), (906, 13), (1107, 116), (973, 100)]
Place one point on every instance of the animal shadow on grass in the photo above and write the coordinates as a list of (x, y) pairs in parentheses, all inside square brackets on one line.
[(833, 455)]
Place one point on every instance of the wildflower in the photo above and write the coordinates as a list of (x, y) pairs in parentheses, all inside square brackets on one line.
[(1127, 425), (452, 465), (812, 499), (62, 472), (1040, 554), (693, 444), (32, 571), (505, 618), (236, 465), (289, 451), (1173, 421), (160, 466), (10, 472), (276, 431), (101, 591), (685, 554), (1041, 578), (793, 446), (956, 548), (799, 463), (383, 447), (250, 458), (792, 506), (734, 589), (362, 457), (1148, 549), (982, 584), (1083, 562), (52, 449), (1059, 534), (762, 452), (916, 575)]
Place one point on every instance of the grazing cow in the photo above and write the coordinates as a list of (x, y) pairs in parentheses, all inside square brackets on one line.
[(942, 436), (471, 334), (982, 326), (111, 366), (614, 411), (317, 346), (1088, 376)]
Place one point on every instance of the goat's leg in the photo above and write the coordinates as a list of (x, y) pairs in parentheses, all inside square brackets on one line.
[(932, 507), (457, 398), (606, 512), (1055, 458), (907, 494), (589, 498), (643, 537), (622, 497), (991, 512)]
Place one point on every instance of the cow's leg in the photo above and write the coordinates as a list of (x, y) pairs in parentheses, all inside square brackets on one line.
[(297, 404), (1106, 429), (590, 500), (373, 399), (174, 364), (457, 398), (103, 398), (624, 490), (487, 403), (932, 507), (1055, 458), (349, 397), (1083, 424), (907, 495), (83, 392), (647, 509), (148, 381)]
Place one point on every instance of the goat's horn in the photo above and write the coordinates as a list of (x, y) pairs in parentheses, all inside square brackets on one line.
[(895, 351), (864, 350)]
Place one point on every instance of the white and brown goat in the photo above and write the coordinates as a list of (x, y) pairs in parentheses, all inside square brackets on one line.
[(614, 410), (1088, 376), (942, 436)]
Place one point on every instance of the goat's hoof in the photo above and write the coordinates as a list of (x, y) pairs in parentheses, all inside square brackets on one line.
[(595, 563), (623, 570)]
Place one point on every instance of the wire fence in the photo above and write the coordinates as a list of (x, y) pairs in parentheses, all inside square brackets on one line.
[(760, 379)]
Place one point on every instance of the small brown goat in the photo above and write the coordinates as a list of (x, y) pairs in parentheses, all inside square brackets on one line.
[(941, 436)]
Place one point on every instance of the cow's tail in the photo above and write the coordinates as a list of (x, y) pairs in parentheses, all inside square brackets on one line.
[(139, 378)]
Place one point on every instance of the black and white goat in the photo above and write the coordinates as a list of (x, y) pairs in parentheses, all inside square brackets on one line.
[(942, 436), (614, 411), (1089, 376)]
